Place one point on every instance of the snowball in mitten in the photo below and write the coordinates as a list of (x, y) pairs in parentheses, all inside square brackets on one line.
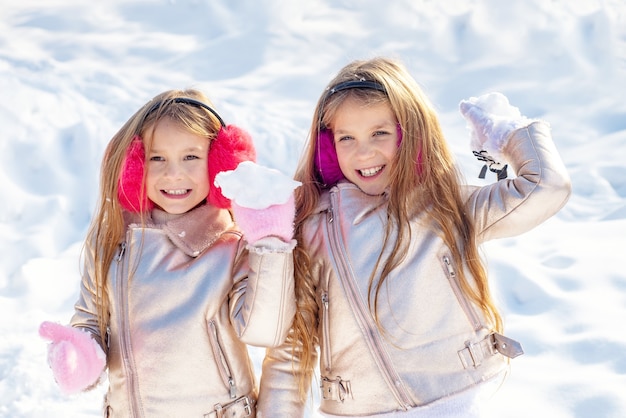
[(276, 220), (262, 200), (491, 119), (77, 360)]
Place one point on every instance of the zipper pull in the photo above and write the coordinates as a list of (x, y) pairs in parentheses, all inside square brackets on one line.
[(448, 264), (331, 208), (329, 215), (122, 251), (233, 389)]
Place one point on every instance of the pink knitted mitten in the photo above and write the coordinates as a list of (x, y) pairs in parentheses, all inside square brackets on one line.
[(276, 220), (76, 359)]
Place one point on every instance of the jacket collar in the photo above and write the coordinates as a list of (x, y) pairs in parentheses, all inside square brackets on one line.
[(352, 202), (194, 231)]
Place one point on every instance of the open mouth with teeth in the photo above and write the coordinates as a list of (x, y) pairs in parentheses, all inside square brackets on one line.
[(371, 172), (176, 192)]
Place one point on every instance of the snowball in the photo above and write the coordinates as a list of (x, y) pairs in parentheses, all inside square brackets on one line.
[(256, 187), (492, 119), (497, 104)]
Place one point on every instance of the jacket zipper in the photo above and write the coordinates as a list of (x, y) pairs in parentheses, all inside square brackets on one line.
[(222, 362), (456, 287), (371, 335), (326, 319), (326, 333), (124, 330)]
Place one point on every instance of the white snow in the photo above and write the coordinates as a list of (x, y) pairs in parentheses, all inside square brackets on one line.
[(254, 186), (73, 71)]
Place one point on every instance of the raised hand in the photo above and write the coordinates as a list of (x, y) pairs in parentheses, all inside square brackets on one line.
[(491, 119), (262, 201), (275, 220)]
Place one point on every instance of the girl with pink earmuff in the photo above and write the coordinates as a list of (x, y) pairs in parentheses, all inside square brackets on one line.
[(394, 306), (172, 288)]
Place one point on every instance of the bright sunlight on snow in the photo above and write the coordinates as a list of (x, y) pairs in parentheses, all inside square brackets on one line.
[(73, 71)]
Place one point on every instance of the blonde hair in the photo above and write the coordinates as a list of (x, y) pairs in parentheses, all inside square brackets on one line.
[(424, 178), (107, 228)]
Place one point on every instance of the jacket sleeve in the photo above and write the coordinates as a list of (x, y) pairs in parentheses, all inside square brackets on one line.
[(262, 301), (278, 394), (539, 190), (86, 307)]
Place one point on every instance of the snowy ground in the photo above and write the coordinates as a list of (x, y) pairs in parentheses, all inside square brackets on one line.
[(72, 72)]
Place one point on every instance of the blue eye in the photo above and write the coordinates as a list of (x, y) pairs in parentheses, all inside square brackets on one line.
[(191, 157), (157, 158)]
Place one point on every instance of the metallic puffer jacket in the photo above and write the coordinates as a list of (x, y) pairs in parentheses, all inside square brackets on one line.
[(178, 326), (435, 342)]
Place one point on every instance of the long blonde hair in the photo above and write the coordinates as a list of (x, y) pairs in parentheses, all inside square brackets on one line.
[(107, 228), (424, 178)]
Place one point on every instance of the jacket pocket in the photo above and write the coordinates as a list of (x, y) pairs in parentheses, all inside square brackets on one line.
[(453, 279), (223, 365)]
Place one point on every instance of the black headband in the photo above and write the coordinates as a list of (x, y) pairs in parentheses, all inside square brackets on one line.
[(356, 84), (189, 101), (352, 84)]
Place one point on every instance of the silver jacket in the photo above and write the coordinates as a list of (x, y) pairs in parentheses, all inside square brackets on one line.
[(435, 342), (185, 297)]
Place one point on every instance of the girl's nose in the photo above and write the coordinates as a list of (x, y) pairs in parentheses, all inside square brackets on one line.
[(364, 149), (173, 170)]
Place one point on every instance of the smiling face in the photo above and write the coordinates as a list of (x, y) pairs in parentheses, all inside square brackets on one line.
[(366, 141), (177, 177)]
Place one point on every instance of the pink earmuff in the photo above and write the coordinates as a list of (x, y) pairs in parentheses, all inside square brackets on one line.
[(130, 192), (326, 162), (231, 146)]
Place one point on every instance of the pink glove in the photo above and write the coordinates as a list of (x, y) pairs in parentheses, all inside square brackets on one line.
[(276, 220), (76, 359)]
